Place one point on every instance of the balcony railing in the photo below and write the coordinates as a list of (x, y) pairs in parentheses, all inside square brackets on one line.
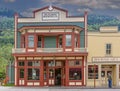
[(47, 50), (18, 50)]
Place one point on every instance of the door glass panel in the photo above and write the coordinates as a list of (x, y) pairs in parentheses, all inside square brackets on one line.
[(102, 73), (51, 73)]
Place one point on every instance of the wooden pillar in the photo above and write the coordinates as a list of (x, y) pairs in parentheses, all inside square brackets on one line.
[(41, 73), (16, 72), (117, 74), (83, 69), (66, 73), (64, 42), (73, 41), (25, 72)]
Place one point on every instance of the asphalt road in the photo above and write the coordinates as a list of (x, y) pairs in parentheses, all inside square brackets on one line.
[(52, 89)]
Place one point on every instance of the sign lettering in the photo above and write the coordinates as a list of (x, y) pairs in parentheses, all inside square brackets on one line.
[(50, 15)]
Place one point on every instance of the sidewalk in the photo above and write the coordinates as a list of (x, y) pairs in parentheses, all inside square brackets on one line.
[(62, 87)]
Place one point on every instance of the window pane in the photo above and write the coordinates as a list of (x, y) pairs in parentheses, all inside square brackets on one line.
[(21, 73), (34, 63), (75, 63), (33, 73), (51, 73), (60, 42), (68, 40), (39, 41), (92, 72), (108, 49), (30, 41), (75, 74), (51, 63), (21, 63)]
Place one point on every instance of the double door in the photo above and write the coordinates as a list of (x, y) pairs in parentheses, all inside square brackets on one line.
[(104, 74), (54, 75)]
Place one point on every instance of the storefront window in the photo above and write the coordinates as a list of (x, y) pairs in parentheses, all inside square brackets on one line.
[(33, 73), (92, 71), (68, 40), (75, 74), (21, 63), (75, 63), (31, 41), (51, 63), (21, 73), (34, 63)]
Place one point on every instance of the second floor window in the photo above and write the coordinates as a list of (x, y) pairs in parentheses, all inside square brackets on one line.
[(108, 49), (76, 41), (60, 42), (31, 41), (68, 40), (39, 41)]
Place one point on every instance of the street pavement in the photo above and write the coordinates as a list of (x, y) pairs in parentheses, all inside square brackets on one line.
[(2, 88)]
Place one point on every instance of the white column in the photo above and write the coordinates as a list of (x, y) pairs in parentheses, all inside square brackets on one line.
[(117, 74)]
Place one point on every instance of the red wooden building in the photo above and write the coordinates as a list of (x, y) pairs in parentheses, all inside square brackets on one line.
[(50, 48)]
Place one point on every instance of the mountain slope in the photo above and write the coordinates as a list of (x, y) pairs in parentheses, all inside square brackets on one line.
[(94, 21)]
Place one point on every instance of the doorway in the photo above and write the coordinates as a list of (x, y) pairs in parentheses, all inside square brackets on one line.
[(106, 69), (58, 76)]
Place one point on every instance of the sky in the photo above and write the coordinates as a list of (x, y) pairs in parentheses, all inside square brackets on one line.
[(74, 7)]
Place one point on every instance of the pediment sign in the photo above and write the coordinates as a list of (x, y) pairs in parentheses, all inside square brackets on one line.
[(50, 13)]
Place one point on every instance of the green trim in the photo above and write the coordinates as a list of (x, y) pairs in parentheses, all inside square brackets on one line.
[(79, 24)]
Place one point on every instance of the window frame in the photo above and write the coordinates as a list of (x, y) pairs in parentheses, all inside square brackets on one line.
[(94, 72), (68, 40), (33, 66), (31, 39), (108, 49), (75, 75)]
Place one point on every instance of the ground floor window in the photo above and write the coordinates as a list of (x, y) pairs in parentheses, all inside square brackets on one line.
[(33, 73), (21, 73), (92, 71), (75, 74)]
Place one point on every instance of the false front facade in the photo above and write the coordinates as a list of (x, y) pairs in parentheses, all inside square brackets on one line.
[(104, 57), (50, 49)]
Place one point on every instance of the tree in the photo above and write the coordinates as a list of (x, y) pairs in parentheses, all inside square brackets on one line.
[(6, 45)]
